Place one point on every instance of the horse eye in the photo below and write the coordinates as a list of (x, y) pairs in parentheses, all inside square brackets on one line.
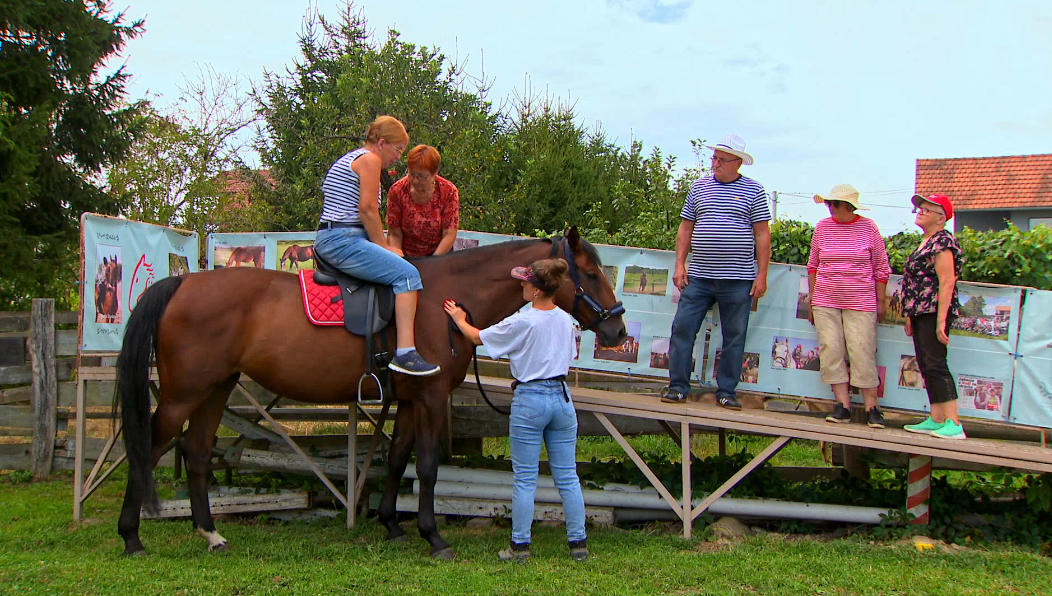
[(592, 276)]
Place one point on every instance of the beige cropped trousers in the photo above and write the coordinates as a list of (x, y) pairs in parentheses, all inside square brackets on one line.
[(847, 336)]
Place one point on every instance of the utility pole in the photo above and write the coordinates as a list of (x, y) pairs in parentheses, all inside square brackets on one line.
[(774, 204)]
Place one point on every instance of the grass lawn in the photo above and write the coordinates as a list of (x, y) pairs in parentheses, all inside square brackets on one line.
[(43, 552)]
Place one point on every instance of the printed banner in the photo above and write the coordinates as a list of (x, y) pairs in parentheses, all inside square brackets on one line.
[(121, 259), (781, 347), (1031, 401)]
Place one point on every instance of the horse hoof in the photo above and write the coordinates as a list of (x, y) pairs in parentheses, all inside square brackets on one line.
[(400, 539), (444, 554), (222, 547), (135, 553)]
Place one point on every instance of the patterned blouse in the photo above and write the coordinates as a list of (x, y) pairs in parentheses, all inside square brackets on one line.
[(422, 225), (920, 282)]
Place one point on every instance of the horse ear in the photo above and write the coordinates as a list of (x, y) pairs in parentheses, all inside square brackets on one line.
[(104, 261), (573, 238)]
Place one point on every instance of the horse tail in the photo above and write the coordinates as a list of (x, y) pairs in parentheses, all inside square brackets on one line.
[(133, 384)]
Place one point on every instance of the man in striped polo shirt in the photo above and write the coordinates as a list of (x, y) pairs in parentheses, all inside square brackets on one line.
[(725, 230)]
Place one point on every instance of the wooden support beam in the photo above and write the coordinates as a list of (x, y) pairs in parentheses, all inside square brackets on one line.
[(642, 465), (45, 385), (756, 462)]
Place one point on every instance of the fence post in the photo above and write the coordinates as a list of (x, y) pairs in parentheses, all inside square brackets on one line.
[(918, 490), (45, 387)]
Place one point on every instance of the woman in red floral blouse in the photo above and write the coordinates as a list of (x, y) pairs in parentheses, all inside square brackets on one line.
[(423, 208)]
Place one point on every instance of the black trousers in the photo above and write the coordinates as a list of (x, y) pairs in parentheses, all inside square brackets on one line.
[(931, 358)]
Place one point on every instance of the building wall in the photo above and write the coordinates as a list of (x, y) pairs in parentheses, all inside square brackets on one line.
[(1022, 218), (980, 220)]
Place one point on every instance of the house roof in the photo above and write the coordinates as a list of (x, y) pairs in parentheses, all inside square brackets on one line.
[(240, 182), (973, 183)]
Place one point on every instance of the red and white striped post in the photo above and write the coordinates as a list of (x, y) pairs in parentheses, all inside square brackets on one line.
[(919, 488)]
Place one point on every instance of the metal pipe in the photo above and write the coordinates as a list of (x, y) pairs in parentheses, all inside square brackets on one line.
[(649, 499)]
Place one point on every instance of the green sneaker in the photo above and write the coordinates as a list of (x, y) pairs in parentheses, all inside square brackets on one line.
[(923, 428), (949, 430)]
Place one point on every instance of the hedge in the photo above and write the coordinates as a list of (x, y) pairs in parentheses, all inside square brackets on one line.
[(1010, 256)]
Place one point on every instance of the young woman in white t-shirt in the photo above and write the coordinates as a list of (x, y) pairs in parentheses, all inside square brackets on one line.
[(540, 344)]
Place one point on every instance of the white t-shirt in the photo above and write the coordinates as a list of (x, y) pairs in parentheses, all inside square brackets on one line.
[(539, 343)]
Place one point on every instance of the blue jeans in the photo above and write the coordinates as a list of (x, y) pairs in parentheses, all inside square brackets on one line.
[(539, 411), (351, 251), (732, 296)]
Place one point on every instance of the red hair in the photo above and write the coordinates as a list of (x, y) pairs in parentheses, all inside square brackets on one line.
[(424, 157)]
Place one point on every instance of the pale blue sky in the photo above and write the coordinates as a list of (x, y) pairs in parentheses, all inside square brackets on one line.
[(823, 92)]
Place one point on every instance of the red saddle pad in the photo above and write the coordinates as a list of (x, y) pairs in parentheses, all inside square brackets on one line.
[(317, 301)]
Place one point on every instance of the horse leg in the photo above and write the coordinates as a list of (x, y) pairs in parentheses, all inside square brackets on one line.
[(430, 420), (199, 438), (166, 422), (397, 459)]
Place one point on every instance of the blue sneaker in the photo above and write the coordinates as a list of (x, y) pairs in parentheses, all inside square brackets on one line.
[(411, 363)]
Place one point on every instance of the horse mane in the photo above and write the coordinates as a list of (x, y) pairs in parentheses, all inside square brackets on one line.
[(589, 250)]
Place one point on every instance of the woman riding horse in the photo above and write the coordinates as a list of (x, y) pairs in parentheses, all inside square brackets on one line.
[(203, 346)]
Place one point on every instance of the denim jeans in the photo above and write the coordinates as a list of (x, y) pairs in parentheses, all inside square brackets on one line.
[(732, 296), (931, 358), (539, 411), (351, 251)]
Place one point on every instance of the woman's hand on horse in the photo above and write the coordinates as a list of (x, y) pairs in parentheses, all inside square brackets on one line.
[(454, 311)]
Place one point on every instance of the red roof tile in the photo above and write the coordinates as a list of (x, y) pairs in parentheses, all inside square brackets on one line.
[(1012, 182), (238, 182)]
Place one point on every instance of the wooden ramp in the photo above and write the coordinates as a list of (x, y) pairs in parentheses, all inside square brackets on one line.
[(785, 426)]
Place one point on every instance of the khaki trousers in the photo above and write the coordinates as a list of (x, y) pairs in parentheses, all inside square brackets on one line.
[(847, 335)]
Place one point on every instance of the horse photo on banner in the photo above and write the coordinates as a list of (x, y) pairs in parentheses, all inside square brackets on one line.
[(121, 259)]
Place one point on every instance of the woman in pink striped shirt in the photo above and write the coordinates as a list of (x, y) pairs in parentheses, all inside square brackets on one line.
[(847, 274)]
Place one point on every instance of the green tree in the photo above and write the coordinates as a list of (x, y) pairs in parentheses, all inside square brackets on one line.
[(176, 171), (321, 107), (61, 124), (974, 307)]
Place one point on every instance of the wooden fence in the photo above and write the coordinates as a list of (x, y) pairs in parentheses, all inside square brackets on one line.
[(37, 364)]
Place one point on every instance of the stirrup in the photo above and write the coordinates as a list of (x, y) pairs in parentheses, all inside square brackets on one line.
[(379, 387)]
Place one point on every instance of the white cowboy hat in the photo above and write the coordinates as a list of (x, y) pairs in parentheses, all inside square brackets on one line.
[(734, 145), (842, 192)]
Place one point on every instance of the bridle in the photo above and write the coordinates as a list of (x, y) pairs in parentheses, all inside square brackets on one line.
[(580, 295)]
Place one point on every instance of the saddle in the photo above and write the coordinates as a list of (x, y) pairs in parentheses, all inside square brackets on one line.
[(331, 297)]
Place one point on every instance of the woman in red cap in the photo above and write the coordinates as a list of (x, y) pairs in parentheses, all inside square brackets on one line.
[(929, 301), (540, 343)]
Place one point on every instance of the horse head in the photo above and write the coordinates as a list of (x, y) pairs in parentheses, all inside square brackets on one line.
[(587, 295)]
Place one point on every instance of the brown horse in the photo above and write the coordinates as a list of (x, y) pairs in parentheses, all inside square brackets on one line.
[(203, 346), (246, 254), (296, 254), (107, 301)]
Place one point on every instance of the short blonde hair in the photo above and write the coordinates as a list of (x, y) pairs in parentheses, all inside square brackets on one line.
[(387, 128)]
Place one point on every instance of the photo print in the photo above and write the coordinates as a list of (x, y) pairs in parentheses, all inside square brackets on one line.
[(794, 353), (909, 373), (750, 367), (983, 316), (225, 255), (610, 271), (628, 351), (295, 255), (108, 274), (177, 265), (645, 281), (893, 304), (979, 393), (801, 298), (577, 338), (462, 243), (659, 354), (882, 373)]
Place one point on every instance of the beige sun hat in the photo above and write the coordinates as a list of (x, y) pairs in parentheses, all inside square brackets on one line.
[(842, 192), (734, 145)]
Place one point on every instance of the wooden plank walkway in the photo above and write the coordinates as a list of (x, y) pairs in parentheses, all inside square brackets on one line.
[(1025, 456)]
